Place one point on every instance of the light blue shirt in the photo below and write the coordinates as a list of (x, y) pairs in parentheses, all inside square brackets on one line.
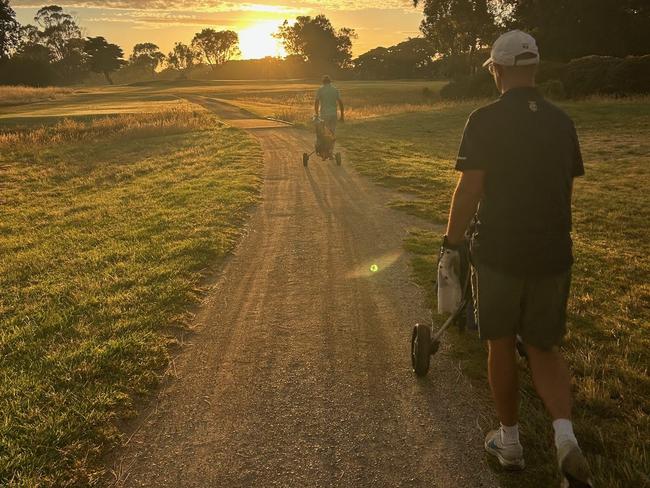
[(328, 96)]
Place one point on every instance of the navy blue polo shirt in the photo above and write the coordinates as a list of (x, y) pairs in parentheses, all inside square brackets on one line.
[(530, 153)]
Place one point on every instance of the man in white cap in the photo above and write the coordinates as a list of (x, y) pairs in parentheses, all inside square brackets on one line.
[(518, 158)]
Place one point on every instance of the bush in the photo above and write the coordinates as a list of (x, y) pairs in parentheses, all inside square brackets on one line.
[(29, 72), (604, 75), (552, 89), (631, 76), (589, 76), (581, 77), (479, 85)]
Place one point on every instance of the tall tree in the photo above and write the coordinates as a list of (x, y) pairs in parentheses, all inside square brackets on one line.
[(30, 35), (567, 29), (30, 46), (317, 42), (103, 57), (374, 64), (216, 47), (59, 31), (9, 29), (182, 57), (458, 27), (412, 58), (72, 68), (147, 55)]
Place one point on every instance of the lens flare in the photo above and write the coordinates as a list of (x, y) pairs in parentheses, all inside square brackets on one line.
[(375, 265)]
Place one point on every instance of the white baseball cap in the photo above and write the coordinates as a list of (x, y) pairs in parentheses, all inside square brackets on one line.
[(514, 48)]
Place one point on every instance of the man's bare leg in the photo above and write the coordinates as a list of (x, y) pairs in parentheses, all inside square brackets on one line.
[(503, 443), (502, 371), (552, 380)]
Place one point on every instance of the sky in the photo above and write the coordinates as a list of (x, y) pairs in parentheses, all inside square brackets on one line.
[(165, 22)]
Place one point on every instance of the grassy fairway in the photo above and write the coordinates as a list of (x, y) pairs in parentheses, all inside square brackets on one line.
[(609, 340), (362, 99), (106, 229), (18, 95)]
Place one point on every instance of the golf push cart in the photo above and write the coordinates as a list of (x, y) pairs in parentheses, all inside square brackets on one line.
[(324, 146), (424, 342)]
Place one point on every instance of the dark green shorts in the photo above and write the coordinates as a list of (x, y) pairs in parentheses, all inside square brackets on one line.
[(532, 307)]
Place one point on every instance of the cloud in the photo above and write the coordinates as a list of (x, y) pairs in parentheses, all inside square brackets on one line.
[(184, 13), (211, 6), (154, 20)]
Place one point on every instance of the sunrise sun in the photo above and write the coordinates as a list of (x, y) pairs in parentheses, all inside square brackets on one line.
[(257, 41)]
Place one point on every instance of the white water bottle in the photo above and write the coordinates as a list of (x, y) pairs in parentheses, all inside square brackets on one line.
[(450, 291)]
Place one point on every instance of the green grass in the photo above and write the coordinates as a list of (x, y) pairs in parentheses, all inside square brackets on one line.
[(107, 228), (608, 345)]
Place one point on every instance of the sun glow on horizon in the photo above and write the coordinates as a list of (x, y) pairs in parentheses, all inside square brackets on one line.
[(257, 41)]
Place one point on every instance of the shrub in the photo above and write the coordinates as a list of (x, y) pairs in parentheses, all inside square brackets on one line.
[(479, 85), (631, 76), (596, 75), (24, 71), (589, 75)]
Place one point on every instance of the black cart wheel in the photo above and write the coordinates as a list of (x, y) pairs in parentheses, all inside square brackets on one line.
[(338, 159), (305, 159), (420, 349)]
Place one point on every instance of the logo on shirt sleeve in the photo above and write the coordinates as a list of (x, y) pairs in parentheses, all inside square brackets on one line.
[(532, 105)]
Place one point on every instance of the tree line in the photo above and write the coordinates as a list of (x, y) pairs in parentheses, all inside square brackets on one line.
[(460, 30), (454, 42), (54, 49)]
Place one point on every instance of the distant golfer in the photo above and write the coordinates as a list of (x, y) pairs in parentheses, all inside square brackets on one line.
[(327, 100), (518, 158)]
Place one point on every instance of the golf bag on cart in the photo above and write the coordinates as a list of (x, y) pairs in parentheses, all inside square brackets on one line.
[(454, 297), (324, 145)]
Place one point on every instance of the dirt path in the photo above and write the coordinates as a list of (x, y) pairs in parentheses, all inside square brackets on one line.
[(298, 374)]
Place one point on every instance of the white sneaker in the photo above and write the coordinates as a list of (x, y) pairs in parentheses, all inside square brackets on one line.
[(510, 456), (573, 466)]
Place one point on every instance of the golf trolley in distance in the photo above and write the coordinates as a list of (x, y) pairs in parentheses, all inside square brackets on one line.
[(424, 342), (324, 146)]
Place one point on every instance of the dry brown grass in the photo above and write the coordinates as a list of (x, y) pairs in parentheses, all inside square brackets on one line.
[(362, 101), (130, 125), (18, 95), (301, 113)]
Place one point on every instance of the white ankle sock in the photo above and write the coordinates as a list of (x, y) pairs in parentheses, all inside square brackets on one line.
[(510, 434), (563, 432)]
